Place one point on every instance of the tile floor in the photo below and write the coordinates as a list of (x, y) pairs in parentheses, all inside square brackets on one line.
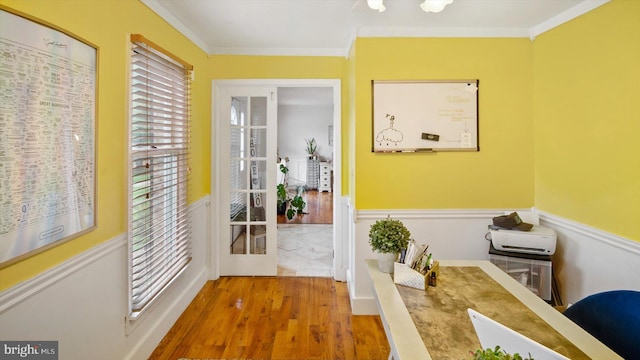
[(305, 250)]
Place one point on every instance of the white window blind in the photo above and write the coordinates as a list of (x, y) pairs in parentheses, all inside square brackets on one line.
[(159, 229)]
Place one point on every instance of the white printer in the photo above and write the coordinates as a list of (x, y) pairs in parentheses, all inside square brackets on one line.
[(539, 240)]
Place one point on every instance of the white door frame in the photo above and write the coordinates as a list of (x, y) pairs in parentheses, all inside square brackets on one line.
[(340, 244)]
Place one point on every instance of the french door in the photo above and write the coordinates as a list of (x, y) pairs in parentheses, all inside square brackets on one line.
[(247, 168)]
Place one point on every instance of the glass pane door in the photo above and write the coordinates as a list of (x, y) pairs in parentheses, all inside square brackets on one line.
[(250, 224)]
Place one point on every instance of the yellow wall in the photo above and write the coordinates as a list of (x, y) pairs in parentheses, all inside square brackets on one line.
[(277, 67), (587, 119), (587, 156), (290, 67), (107, 24), (500, 175)]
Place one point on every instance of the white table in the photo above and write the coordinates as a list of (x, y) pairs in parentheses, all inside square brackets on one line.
[(405, 340)]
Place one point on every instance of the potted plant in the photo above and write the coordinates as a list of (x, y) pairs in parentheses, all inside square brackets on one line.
[(282, 199), (496, 354), (387, 237), (281, 192), (295, 204), (311, 147)]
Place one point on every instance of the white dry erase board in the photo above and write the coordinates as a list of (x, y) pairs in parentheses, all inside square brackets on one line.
[(433, 115)]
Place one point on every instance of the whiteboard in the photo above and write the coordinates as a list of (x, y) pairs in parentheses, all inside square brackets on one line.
[(412, 116)]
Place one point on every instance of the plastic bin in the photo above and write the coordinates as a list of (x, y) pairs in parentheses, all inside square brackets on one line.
[(531, 273)]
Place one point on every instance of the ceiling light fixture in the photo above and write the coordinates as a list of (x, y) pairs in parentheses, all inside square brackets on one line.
[(434, 5), (376, 5), (428, 5)]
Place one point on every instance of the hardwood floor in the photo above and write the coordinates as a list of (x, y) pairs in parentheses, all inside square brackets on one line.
[(319, 209), (273, 318)]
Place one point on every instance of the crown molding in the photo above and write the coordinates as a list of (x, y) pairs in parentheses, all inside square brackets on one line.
[(566, 16), (177, 24), (368, 31), (383, 32), (278, 51)]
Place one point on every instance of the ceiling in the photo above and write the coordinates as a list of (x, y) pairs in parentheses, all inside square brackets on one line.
[(328, 27)]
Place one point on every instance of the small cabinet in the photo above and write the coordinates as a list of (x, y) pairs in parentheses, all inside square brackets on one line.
[(326, 177), (312, 174)]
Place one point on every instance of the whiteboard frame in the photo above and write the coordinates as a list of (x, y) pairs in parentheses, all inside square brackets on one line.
[(399, 89), (80, 51)]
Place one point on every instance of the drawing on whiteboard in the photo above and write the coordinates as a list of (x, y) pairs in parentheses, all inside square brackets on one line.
[(389, 135)]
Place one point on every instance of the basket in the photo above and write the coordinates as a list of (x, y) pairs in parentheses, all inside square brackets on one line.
[(406, 276)]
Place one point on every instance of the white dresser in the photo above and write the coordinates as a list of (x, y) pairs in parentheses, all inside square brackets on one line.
[(326, 177), (313, 175)]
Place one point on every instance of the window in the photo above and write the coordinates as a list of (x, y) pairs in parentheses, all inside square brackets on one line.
[(159, 229)]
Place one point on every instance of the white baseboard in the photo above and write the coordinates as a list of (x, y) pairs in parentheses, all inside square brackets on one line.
[(364, 306)]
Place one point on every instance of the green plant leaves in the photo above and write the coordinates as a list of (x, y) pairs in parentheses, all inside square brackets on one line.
[(311, 146), (497, 354), (388, 236)]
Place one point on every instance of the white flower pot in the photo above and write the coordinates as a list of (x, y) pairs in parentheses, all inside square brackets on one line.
[(385, 262)]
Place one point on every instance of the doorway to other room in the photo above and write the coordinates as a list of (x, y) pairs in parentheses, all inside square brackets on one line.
[(305, 243), (305, 110), (305, 147)]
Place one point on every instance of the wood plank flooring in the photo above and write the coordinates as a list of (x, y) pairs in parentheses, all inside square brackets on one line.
[(273, 318), (319, 209)]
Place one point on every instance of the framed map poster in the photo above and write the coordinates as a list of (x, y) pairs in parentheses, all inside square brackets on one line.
[(47, 136)]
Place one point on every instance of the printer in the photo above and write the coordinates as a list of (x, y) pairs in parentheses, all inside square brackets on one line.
[(539, 240)]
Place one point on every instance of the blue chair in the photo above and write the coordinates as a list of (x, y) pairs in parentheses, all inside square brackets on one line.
[(613, 317)]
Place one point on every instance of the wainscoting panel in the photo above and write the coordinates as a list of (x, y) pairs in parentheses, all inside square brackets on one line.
[(588, 260), (450, 234), (82, 303), (341, 238)]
